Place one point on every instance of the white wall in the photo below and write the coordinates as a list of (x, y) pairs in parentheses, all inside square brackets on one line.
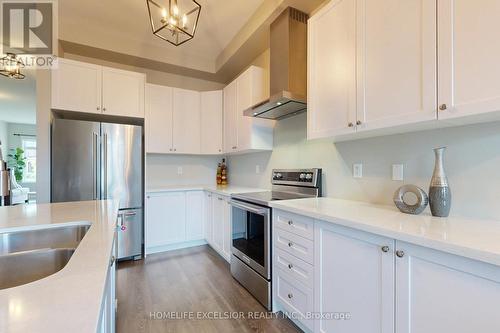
[(16, 141), (472, 162), (4, 134), (161, 170)]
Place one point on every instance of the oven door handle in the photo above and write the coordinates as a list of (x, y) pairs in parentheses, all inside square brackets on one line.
[(251, 208)]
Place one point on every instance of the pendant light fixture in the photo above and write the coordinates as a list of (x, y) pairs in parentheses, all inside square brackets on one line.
[(174, 21), (11, 67)]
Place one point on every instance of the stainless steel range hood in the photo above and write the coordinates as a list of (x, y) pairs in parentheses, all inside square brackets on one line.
[(288, 68)]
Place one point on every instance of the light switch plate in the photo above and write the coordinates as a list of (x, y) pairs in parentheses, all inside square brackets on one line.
[(398, 172), (179, 170), (357, 170)]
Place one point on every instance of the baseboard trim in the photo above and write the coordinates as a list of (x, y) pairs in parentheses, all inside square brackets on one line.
[(176, 246)]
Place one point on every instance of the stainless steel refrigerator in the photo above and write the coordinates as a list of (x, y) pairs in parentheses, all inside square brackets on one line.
[(97, 161)]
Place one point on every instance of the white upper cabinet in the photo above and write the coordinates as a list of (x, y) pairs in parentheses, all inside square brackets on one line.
[(122, 93), (371, 65), (246, 133), (230, 118), (186, 120), (211, 122), (331, 100), (82, 87), (469, 75), (396, 63), (159, 124), (76, 86)]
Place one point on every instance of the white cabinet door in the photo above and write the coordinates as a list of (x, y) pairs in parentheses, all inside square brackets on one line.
[(438, 292), (227, 238), (122, 93), (396, 63), (211, 122), (208, 218), (158, 119), (469, 75), (76, 86), (331, 100), (230, 118), (218, 222), (166, 219), (186, 118), (353, 275), (253, 133), (194, 215)]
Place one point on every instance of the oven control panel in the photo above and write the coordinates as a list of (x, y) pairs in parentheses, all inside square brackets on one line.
[(293, 177)]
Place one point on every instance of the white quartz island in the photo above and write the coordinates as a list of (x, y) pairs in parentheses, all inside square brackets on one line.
[(71, 299)]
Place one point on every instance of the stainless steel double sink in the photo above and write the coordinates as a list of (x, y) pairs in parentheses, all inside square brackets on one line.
[(27, 256)]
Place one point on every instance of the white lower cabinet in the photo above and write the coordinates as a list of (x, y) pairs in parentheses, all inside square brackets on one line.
[(438, 292), (354, 279), (194, 215), (107, 321), (208, 217), (173, 219), (221, 222), (362, 282)]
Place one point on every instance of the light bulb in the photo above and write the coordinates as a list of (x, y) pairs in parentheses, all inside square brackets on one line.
[(173, 21), (176, 11), (164, 13), (184, 21)]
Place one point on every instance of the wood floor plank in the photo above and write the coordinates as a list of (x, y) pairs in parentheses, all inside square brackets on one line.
[(189, 280)]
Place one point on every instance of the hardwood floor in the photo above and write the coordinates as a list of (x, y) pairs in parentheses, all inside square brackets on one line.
[(193, 280)]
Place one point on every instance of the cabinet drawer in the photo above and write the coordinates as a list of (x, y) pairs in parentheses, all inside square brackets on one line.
[(298, 246), (295, 298), (296, 224), (296, 268)]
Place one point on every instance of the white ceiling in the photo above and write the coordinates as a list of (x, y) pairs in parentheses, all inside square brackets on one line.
[(18, 99), (123, 26)]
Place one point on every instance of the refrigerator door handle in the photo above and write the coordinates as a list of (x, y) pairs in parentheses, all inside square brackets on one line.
[(95, 185), (105, 166)]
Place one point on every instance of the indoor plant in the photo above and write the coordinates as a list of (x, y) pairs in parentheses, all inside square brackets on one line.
[(17, 161)]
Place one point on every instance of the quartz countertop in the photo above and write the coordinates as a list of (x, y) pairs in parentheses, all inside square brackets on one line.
[(69, 300), (222, 190), (476, 239)]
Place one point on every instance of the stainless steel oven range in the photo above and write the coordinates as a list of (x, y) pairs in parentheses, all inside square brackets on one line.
[(251, 219)]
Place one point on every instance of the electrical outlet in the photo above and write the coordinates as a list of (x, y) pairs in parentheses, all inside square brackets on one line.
[(257, 169), (398, 172), (357, 170), (179, 170)]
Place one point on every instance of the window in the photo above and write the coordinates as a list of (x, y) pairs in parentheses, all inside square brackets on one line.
[(29, 147)]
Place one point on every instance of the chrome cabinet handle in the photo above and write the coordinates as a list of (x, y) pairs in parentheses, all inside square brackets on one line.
[(358, 122), (98, 108), (290, 296), (400, 253), (350, 125), (220, 199), (385, 248), (103, 109), (290, 244), (290, 222), (443, 107), (290, 266)]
